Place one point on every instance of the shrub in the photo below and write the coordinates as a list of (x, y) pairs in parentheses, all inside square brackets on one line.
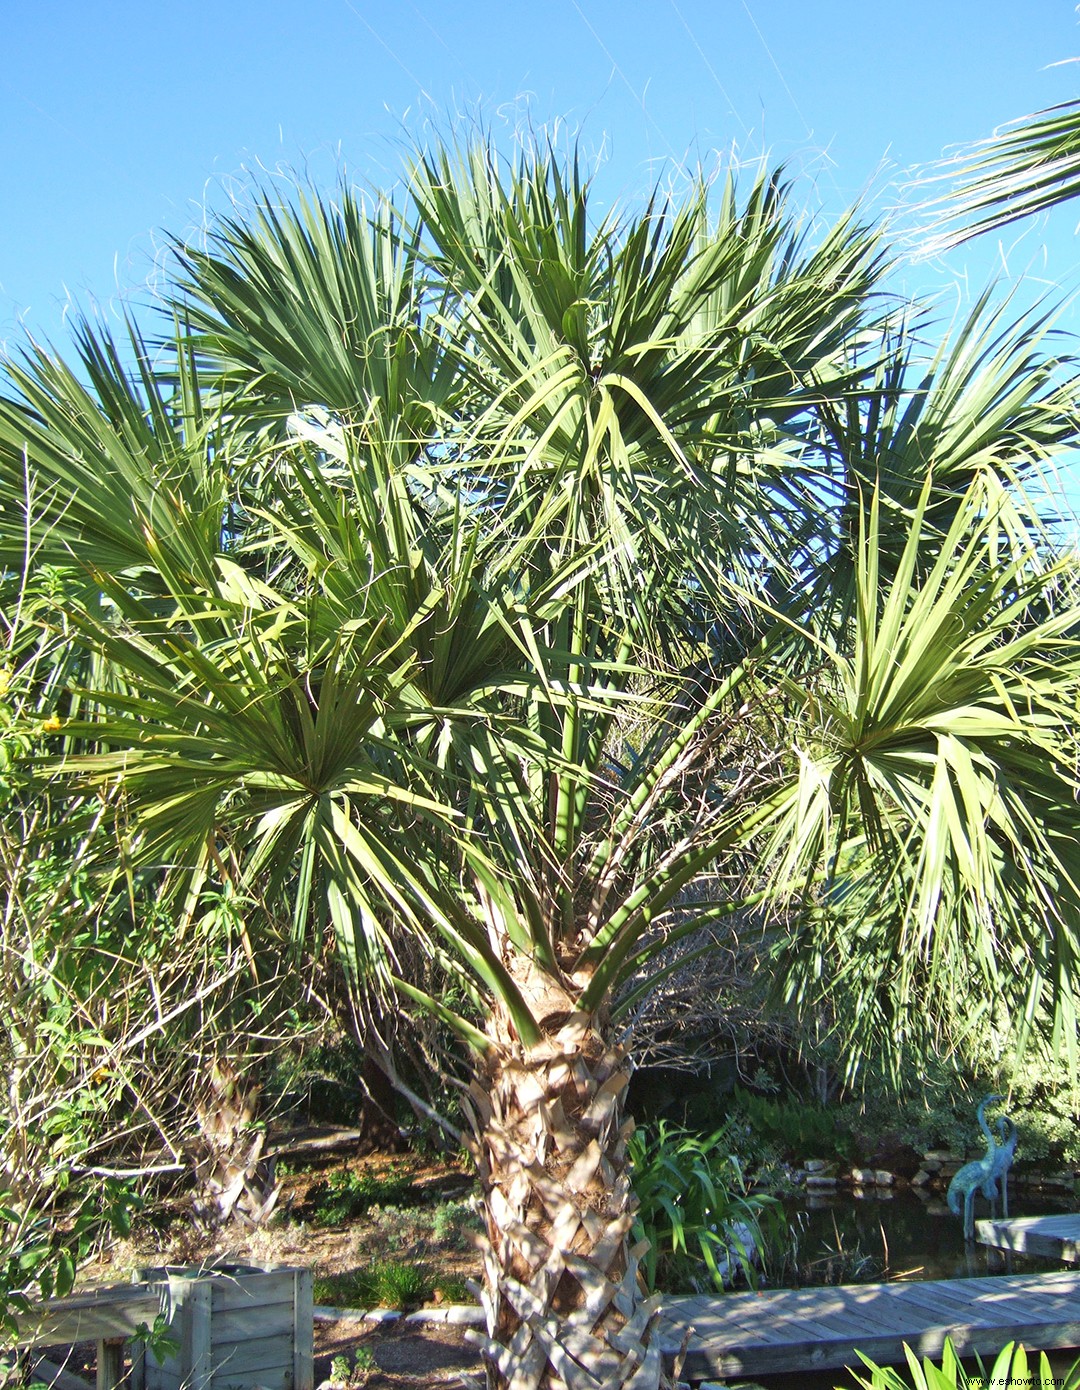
[(347, 1194), (702, 1224), (799, 1129)]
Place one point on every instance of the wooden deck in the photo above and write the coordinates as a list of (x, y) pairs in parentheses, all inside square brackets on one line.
[(1057, 1237), (783, 1330)]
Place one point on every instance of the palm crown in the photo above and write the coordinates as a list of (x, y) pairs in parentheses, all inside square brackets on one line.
[(546, 593)]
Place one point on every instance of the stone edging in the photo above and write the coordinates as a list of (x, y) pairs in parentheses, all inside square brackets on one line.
[(466, 1314)]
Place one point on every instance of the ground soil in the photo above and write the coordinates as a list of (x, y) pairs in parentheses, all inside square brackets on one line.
[(408, 1357)]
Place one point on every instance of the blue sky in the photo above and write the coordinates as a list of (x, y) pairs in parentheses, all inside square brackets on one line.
[(122, 121)]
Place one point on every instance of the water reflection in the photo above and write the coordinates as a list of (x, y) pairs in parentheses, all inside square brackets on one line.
[(840, 1237)]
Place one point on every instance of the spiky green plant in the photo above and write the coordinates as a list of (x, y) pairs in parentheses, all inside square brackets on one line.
[(1011, 1367)]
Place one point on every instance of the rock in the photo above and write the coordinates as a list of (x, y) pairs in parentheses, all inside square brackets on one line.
[(463, 1314), (864, 1177), (815, 1165), (921, 1178), (942, 1155), (931, 1165), (893, 1153), (327, 1314), (818, 1182), (883, 1178)]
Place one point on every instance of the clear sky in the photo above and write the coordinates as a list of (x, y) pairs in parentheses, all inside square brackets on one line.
[(121, 120)]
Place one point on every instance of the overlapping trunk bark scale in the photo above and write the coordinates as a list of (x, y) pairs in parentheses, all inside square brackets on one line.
[(564, 1310)]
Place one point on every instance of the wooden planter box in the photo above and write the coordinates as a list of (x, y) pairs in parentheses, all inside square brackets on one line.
[(239, 1327)]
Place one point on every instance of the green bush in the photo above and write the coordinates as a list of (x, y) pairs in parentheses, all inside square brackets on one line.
[(348, 1194), (702, 1224), (941, 1114), (799, 1129)]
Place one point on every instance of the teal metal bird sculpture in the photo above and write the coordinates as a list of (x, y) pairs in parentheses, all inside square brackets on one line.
[(984, 1173)]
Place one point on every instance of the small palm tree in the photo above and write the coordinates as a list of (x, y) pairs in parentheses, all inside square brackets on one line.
[(460, 578)]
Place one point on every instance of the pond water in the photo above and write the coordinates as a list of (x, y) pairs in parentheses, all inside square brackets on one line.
[(901, 1235)]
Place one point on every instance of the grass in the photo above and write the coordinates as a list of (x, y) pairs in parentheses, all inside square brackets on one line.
[(381, 1284), (389, 1284)]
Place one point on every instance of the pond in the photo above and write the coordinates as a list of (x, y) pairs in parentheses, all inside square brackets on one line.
[(841, 1238)]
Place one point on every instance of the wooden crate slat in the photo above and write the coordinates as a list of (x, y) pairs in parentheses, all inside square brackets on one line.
[(304, 1325), (162, 1378), (231, 1292), (236, 1326), (260, 1354), (250, 1326)]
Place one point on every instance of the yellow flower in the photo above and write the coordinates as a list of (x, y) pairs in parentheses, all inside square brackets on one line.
[(51, 724), (5, 680)]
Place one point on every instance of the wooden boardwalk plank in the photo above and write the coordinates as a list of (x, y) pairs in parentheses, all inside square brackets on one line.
[(802, 1329), (1057, 1237)]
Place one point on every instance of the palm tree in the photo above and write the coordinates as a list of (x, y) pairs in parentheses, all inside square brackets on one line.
[(1029, 166), (460, 574)]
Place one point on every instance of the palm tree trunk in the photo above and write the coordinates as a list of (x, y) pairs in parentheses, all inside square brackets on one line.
[(564, 1309)]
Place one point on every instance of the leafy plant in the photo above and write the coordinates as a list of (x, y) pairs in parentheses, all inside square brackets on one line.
[(340, 1370), (348, 1193), (1011, 1367), (426, 500), (455, 1222), (703, 1225), (158, 1338), (39, 1252), (355, 1375), (802, 1130)]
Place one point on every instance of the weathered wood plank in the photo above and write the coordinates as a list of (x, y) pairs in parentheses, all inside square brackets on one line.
[(260, 1354), (191, 1299), (103, 1313), (1055, 1237), (304, 1332), (240, 1325), (263, 1286), (935, 1303), (110, 1363), (137, 1374), (750, 1320), (164, 1378)]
